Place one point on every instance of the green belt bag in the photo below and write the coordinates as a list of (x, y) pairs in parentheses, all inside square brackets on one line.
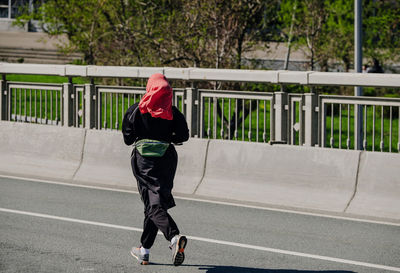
[(151, 147)]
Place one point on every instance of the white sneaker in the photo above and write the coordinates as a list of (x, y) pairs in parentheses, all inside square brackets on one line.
[(178, 248)]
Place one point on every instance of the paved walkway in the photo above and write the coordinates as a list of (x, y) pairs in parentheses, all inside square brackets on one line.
[(29, 40), (33, 47)]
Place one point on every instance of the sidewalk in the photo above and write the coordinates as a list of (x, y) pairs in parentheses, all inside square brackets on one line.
[(29, 40), (33, 47)]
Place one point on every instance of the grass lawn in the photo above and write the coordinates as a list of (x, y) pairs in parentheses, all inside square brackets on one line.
[(45, 79)]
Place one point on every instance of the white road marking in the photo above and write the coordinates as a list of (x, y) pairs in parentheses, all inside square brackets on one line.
[(212, 202), (261, 248)]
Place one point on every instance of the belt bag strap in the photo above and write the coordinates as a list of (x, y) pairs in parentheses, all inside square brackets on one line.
[(151, 147)]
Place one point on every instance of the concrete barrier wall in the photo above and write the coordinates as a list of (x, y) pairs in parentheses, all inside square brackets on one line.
[(281, 175), (191, 165), (86, 156), (378, 189), (362, 183), (40, 150), (106, 161)]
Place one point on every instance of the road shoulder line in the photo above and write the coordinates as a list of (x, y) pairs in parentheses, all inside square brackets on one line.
[(225, 203), (208, 240)]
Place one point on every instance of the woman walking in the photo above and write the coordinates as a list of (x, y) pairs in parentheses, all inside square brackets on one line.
[(152, 125)]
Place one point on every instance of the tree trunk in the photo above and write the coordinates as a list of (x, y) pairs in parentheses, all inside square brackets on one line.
[(289, 44)]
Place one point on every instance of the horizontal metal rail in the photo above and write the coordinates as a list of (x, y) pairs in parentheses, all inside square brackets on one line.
[(205, 74), (360, 100)]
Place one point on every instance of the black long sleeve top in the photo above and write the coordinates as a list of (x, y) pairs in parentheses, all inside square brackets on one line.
[(141, 126)]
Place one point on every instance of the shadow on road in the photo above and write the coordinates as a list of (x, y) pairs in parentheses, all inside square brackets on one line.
[(237, 269)]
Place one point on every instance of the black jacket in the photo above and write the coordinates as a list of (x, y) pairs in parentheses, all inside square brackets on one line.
[(155, 175), (141, 126)]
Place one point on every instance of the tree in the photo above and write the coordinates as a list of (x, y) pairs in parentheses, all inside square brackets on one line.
[(207, 33), (79, 21), (326, 29), (381, 24), (306, 20), (215, 33), (340, 26), (288, 17)]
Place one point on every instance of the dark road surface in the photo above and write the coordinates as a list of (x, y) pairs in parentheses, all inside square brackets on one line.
[(47, 227)]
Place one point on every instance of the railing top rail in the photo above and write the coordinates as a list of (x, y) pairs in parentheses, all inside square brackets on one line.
[(236, 94), (129, 89), (117, 87), (365, 98), (35, 83), (360, 100), (37, 86), (206, 74), (79, 88), (296, 95), (122, 91)]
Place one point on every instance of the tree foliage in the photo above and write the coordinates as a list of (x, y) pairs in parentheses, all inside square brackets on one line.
[(326, 29), (382, 30), (211, 33), (215, 33)]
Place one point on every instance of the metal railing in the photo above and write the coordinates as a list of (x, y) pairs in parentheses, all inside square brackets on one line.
[(380, 122), (297, 119), (113, 101), (112, 104), (245, 116), (34, 103)]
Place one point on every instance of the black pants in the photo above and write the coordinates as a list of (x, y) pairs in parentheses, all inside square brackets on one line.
[(155, 177), (156, 218)]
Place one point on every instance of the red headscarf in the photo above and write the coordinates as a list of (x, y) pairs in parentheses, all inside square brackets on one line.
[(158, 98)]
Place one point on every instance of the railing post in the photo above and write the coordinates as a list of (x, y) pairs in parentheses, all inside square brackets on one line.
[(358, 127), (281, 128), (90, 107), (311, 119), (3, 99), (68, 115), (192, 108), (358, 109)]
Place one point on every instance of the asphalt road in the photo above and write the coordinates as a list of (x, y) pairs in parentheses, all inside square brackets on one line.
[(46, 227)]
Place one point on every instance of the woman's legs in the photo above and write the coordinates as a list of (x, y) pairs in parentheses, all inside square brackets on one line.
[(149, 232), (157, 218), (155, 180)]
